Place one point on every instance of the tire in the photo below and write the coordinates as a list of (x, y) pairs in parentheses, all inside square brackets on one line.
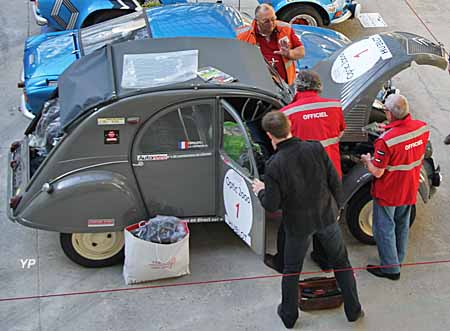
[(103, 16), (94, 250), (302, 14), (359, 216)]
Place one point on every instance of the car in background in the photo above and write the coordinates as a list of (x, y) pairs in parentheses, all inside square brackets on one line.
[(74, 14), (315, 12), (47, 55), (173, 127)]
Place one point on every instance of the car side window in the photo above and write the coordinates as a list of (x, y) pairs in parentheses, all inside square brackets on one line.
[(180, 129), (234, 143)]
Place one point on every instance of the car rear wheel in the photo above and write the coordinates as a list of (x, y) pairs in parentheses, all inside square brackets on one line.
[(359, 216), (94, 249), (302, 15)]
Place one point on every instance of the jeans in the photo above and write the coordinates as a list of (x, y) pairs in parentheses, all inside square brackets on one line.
[(294, 253), (390, 231)]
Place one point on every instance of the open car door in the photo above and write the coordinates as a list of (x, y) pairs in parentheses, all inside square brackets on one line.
[(356, 73), (239, 206)]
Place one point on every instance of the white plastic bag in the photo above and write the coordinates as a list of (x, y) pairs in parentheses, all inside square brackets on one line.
[(145, 260)]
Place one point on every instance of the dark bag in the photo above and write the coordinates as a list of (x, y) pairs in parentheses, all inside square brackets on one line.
[(319, 293)]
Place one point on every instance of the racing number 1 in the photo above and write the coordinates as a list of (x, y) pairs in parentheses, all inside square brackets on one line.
[(237, 210)]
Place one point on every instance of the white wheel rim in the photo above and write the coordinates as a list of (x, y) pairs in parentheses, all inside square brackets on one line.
[(98, 246), (305, 18), (365, 219)]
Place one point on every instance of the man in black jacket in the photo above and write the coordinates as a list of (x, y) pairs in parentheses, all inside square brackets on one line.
[(301, 180)]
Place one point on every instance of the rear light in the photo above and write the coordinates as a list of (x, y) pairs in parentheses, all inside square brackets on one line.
[(14, 146), (14, 201), (338, 14)]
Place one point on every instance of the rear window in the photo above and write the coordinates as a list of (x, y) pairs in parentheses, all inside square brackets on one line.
[(123, 28)]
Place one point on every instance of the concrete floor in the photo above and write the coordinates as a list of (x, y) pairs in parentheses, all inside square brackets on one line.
[(419, 301)]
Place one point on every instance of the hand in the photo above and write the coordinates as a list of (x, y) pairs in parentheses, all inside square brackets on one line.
[(381, 127), (284, 48), (366, 158), (257, 186)]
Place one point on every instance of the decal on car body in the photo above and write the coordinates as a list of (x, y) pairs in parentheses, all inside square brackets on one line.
[(65, 5)]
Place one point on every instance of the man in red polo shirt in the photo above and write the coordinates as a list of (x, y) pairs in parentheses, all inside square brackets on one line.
[(395, 165), (313, 118), (278, 42)]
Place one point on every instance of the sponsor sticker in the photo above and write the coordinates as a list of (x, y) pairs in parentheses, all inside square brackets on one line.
[(153, 157), (111, 121), (102, 222), (111, 137), (191, 144), (356, 60), (238, 205), (379, 43)]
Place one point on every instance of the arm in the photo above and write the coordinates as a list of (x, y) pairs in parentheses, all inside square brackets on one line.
[(375, 171), (296, 53), (268, 193), (377, 165)]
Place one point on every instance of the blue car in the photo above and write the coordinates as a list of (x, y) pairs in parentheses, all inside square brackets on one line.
[(46, 56), (315, 12), (74, 14)]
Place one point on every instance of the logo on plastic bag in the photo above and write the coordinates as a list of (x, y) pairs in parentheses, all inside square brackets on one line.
[(163, 265)]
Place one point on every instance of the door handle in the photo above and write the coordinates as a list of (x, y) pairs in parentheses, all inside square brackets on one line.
[(139, 164)]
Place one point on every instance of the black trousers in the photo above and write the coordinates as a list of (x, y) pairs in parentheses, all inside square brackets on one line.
[(294, 254)]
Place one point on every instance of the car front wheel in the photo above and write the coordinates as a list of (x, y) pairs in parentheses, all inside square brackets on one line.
[(302, 15), (94, 250), (359, 216)]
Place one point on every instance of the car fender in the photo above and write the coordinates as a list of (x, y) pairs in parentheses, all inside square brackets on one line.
[(280, 5), (88, 201), (353, 181), (358, 177)]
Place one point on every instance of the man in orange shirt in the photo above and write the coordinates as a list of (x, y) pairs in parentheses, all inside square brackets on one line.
[(278, 42)]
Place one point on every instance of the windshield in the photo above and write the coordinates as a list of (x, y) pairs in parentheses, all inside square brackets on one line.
[(285, 90), (123, 28)]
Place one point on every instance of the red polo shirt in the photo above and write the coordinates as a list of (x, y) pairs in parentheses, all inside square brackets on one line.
[(315, 118), (269, 47), (400, 151)]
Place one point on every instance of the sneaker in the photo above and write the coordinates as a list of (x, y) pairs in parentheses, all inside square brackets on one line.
[(447, 140), (271, 262), (358, 317), (374, 270), (288, 325)]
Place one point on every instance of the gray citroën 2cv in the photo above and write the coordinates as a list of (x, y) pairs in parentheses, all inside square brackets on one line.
[(135, 132)]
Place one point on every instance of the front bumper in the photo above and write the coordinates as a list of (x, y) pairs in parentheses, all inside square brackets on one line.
[(24, 109), (39, 19), (353, 11)]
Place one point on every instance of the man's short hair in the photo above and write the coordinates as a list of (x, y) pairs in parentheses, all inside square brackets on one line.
[(308, 80), (277, 124), (263, 7), (398, 105)]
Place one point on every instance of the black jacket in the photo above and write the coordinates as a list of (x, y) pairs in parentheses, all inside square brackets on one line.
[(302, 181)]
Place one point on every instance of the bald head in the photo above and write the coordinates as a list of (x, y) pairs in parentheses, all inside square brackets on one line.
[(397, 105), (265, 19), (264, 9)]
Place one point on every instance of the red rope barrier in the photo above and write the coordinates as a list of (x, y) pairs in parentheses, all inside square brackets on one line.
[(214, 281)]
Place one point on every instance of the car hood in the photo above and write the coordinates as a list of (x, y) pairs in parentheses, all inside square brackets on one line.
[(194, 20), (48, 54), (319, 44), (356, 73)]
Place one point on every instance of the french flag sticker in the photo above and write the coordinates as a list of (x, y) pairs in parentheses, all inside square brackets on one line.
[(183, 145)]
